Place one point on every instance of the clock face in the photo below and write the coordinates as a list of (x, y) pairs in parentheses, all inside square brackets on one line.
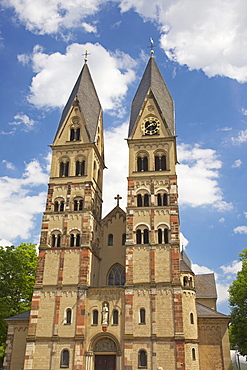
[(150, 126)]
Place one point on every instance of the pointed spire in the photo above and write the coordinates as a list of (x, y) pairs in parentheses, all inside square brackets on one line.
[(152, 81), (85, 96)]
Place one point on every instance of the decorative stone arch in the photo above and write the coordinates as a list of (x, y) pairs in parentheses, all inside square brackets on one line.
[(161, 190), (162, 224), (142, 161), (142, 225), (160, 151), (142, 190), (143, 197), (55, 237), (59, 203), (103, 344), (162, 231), (63, 166), (160, 160), (75, 237), (80, 165), (77, 203), (142, 233)]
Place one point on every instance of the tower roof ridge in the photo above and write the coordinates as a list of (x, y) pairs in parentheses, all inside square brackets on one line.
[(153, 80), (88, 101)]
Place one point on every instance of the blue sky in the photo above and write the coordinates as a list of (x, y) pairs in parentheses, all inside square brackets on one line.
[(200, 50)]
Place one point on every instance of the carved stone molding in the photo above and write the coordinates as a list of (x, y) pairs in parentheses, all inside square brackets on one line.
[(105, 345)]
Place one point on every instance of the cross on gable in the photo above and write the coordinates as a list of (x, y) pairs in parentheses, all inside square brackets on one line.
[(117, 199)]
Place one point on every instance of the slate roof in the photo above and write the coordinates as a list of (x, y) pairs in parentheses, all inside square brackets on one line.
[(21, 316), (205, 286), (88, 101), (206, 312), (153, 80), (185, 263)]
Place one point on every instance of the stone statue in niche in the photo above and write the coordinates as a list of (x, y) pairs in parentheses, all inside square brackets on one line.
[(105, 314)]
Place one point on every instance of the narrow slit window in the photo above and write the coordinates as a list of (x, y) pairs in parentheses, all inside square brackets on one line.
[(123, 239), (68, 316), (191, 318), (193, 354), (115, 317), (142, 316), (145, 236), (95, 317), (138, 236), (110, 239)]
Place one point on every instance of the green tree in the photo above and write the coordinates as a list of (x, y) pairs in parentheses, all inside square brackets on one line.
[(17, 276), (238, 304)]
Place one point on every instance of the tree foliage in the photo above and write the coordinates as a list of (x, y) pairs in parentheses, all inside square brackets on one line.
[(17, 276), (238, 303)]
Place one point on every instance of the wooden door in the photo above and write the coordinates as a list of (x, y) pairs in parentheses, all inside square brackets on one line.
[(105, 362)]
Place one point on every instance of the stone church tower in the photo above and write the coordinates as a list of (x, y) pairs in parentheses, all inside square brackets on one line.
[(116, 293)]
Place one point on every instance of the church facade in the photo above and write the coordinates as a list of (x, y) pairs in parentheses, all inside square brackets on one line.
[(116, 293)]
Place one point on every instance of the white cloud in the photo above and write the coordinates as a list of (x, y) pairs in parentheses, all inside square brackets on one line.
[(244, 111), (237, 163), (224, 129), (241, 137), (222, 291), (233, 268), (201, 269), (23, 58), (89, 27), (209, 35), (8, 165), (198, 177), (116, 160), (21, 199), (5, 242), (22, 119), (183, 241), (49, 17), (58, 72), (197, 173), (240, 229), (222, 220), (245, 213)]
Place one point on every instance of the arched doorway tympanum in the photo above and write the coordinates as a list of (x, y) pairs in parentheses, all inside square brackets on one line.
[(105, 354)]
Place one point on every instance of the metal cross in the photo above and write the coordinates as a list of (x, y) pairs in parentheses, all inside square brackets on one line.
[(117, 199), (86, 55)]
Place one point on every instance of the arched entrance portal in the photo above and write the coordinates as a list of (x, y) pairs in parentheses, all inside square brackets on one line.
[(105, 354)]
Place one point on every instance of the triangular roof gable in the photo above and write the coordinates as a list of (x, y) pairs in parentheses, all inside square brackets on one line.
[(153, 81), (112, 213), (87, 99)]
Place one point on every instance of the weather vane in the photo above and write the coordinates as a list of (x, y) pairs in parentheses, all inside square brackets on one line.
[(86, 55), (152, 46)]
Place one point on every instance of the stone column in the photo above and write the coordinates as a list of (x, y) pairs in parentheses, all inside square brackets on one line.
[(89, 360)]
